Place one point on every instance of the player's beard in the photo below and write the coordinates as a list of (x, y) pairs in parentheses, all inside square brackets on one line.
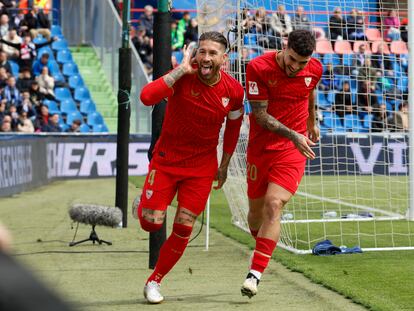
[(208, 72)]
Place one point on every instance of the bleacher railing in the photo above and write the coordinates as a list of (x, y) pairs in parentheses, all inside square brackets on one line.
[(97, 23)]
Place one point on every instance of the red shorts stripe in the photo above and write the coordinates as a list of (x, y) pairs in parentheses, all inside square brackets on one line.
[(282, 167)]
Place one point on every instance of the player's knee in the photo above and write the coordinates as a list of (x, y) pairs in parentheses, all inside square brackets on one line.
[(273, 208), (181, 230), (150, 221)]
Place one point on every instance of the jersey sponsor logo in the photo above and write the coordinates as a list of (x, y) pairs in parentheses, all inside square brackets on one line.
[(225, 101), (308, 81), (272, 83), (253, 89), (148, 193), (194, 93)]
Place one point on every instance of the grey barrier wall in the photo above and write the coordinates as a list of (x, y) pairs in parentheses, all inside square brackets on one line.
[(96, 23), (28, 161)]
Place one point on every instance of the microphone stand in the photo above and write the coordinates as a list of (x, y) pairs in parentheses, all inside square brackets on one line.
[(92, 237)]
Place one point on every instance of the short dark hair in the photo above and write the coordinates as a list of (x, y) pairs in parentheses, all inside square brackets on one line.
[(214, 36), (302, 42)]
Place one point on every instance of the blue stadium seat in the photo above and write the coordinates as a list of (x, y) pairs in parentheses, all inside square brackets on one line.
[(339, 80), (70, 69), (15, 68), (331, 59), (352, 123), (332, 121), (347, 59), (56, 31), (52, 105), (75, 81), (94, 118), (54, 67), (61, 44), (67, 106), (87, 106), (64, 56), (64, 127), (367, 122), (81, 93), (84, 128), (250, 39), (322, 102), (178, 56), (72, 116), (39, 39), (59, 78), (62, 93), (100, 128)]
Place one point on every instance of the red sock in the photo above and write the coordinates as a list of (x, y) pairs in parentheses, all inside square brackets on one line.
[(254, 233), (266, 247), (171, 251)]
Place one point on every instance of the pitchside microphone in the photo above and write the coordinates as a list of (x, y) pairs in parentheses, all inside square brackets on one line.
[(95, 215)]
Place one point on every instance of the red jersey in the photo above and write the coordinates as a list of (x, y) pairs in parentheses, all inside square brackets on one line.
[(287, 99), (192, 123)]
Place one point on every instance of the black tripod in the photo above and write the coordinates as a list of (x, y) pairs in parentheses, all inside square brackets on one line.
[(92, 237)]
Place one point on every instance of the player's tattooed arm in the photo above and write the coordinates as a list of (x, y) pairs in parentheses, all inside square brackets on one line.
[(302, 143), (173, 76)]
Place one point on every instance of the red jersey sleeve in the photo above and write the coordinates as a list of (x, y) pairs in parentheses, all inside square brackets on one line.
[(256, 88), (155, 91), (233, 122)]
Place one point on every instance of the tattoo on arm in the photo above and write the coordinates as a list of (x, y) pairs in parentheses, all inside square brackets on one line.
[(173, 76), (267, 121)]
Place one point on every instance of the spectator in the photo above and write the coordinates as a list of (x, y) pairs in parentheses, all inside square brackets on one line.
[(337, 26), (25, 125), (366, 98), (399, 120), (12, 112), (184, 22), (17, 21), (6, 124), (380, 120), (53, 125), (27, 50), (404, 29), (75, 126), (177, 37), (46, 84), (147, 20), (392, 26), (27, 105), (4, 25), (191, 34), (281, 22), (379, 60), (3, 78), (358, 59), (12, 53), (42, 25), (25, 79), (6, 6), (265, 35), (367, 72), (2, 110), (35, 96), (343, 101), (355, 24), (143, 46), (40, 63), (4, 62), (327, 80), (42, 118), (11, 94), (301, 21), (240, 65)]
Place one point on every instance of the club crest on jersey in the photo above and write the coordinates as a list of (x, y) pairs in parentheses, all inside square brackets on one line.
[(194, 93), (148, 193), (308, 81), (253, 89), (225, 101)]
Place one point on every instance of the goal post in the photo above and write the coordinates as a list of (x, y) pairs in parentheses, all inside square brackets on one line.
[(358, 191)]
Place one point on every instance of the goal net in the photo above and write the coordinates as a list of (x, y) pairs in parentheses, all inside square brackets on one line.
[(356, 191)]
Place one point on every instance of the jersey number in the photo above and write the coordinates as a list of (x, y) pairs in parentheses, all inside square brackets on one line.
[(251, 171)]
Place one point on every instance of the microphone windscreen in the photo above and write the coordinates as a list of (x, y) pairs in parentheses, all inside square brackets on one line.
[(96, 214)]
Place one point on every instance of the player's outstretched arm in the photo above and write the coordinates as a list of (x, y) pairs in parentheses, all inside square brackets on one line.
[(155, 91), (259, 110), (313, 129)]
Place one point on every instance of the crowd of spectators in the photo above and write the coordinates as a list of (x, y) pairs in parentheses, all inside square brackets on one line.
[(25, 78), (364, 82)]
